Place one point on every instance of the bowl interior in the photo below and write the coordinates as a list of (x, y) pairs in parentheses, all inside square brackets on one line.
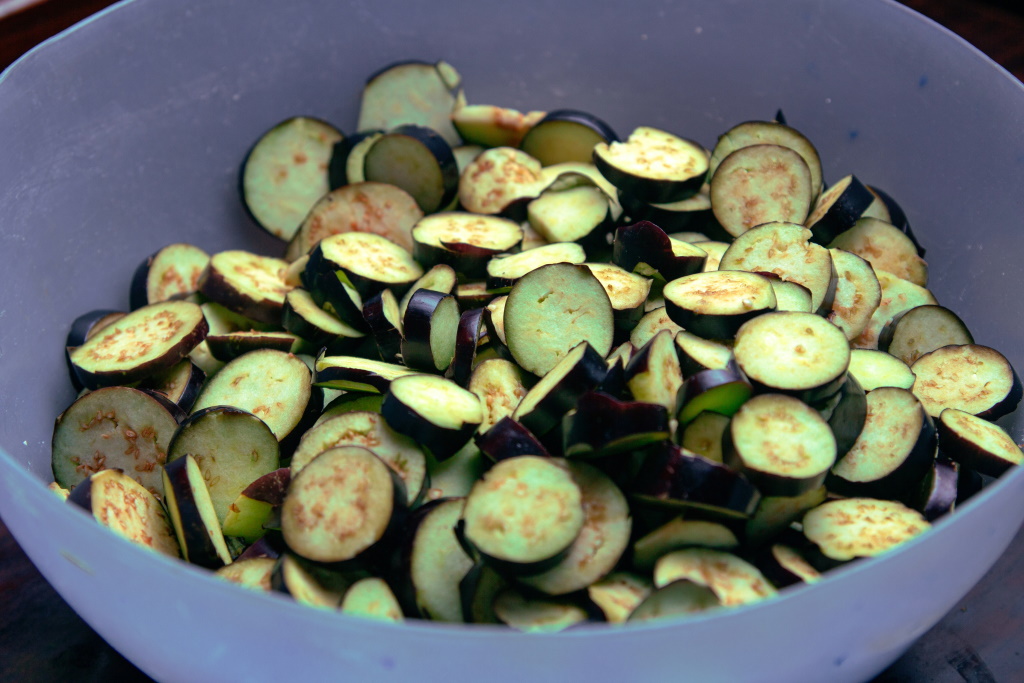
[(126, 134)]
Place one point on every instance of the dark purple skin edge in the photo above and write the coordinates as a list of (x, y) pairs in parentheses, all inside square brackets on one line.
[(848, 417), (195, 536), (509, 439), (477, 591), (768, 483), (230, 345), (905, 478), (262, 547), (417, 324), (323, 268), (583, 118), (81, 495), (359, 375), (710, 326), (442, 443), (841, 216), (645, 242), (170, 406), (328, 293), (467, 340), (647, 189), (401, 568), (938, 493), (690, 365), (602, 420), (213, 285), (442, 152), (970, 454), (97, 380), (885, 337), (271, 487), (337, 167), (137, 297), (468, 260), (385, 335), (588, 372), (675, 477), (614, 381), (706, 380), (314, 406), (777, 573), (81, 329)]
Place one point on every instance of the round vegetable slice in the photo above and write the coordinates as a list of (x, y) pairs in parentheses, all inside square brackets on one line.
[(341, 504), (524, 514), (977, 443), (140, 344), (849, 528), (553, 309), (436, 412), (970, 377)]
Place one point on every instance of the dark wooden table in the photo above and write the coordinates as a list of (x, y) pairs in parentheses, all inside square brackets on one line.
[(979, 641)]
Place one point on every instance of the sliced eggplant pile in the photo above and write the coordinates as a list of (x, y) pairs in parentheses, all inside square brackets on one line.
[(509, 369)]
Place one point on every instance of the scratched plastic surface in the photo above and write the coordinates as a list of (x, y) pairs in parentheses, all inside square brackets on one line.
[(126, 134)]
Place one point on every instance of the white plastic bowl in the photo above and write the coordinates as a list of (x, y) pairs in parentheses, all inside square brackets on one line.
[(126, 133)]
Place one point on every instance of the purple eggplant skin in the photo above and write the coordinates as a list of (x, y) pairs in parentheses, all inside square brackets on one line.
[(271, 487), (508, 439), (614, 381), (440, 442), (604, 425), (442, 152), (905, 478), (417, 324), (337, 172), (214, 286), (401, 559), (325, 271), (898, 217), (645, 242), (176, 411), (843, 213), (583, 377), (477, 591), (468, 260), (849, 415), (81, 329), (707, 380), (674, 477), (328, 293), (314, 407), (700, 220), (81, 495), (583, 118), (937, 495), (195, 536), (467, 341), (386, 336), (265, 546)]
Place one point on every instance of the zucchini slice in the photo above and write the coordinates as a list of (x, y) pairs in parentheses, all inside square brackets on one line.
[(553, 309), (285, 173)]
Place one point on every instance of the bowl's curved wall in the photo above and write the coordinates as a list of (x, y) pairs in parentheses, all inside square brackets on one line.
[(126, 134)]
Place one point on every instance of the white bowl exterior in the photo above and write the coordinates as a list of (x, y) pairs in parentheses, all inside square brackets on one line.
[(126, 134)]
